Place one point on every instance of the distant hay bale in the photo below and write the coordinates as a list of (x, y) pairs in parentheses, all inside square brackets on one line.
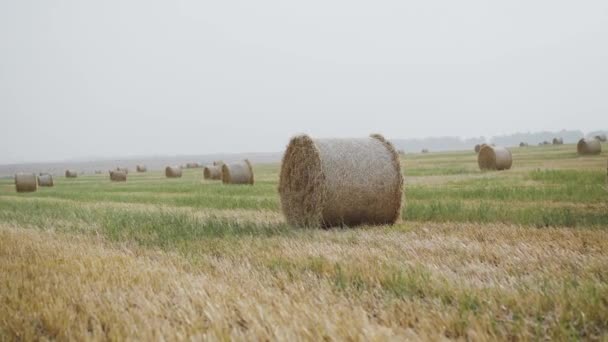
[(425, 150), (173, 172), (238, 173), (494, 158), (141, 168), (601, 137), (26, 182), (118, 176), (212, 172), (523, 144), (71, 174), (336, 182), (589, 146), (478, 147), (218, 163), (192, 165), (45, 179), (558, 141)]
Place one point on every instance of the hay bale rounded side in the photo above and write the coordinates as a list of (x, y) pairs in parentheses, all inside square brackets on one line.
[(238, 173), (336, 182), (71, 174), (26, 182), (45, 179), (118, 176), (212, 172), (589, 146), (141, 168), (173, 172), (494, 158)]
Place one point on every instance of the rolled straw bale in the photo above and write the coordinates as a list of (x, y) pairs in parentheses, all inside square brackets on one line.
[(193, 165), (558, 141), (523, 144), (45, 179), (425, 150), (141, 168), (173, 172), (589, 146), (218, 163), (71, 174), (601, 137), (26, 182), (212, 172), (118, 176), (335, 182), (494, 158), (238, 173)]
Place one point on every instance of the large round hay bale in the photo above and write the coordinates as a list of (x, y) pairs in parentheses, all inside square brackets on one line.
[(71, 174), (238, 173), (141, 168), (173, 172), (601, 137), (558, 141), (212, 172), (494, 158), (589, 146), (26, 182), (118, 176), (45, 179), (336, 182)]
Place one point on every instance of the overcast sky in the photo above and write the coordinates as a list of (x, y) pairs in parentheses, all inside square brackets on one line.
[(121, 78)]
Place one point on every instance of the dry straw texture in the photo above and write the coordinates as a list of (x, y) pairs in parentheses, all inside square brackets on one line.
[(212, 172), (71, 174), (494, 158), (589, 146), (238, 173), (173, 172), (141, 168), (118, 176), (336, 182), (26, 182), (558, 141), (45, 179)]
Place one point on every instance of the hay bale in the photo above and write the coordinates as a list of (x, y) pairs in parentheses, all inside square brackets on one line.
[(589, 146), (26, 182), (192, 165), (45, 179), (173, 172), (425, 150), (141, 168), (212, 172), (336, 182), (523, 144), (118, 176), (494, 158), (218, 163), (558, 141), (71, 174), (238, 173), (601, 137)]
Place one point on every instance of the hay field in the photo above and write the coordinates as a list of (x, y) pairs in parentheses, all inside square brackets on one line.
[(518, 254)]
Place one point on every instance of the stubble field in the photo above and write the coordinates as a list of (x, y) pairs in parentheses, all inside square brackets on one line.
[(519, 254)]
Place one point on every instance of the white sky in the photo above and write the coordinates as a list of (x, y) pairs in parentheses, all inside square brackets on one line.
[(118, 78)]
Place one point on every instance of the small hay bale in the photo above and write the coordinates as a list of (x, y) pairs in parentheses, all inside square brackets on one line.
[(558, 141), (589, 146), (341, 182), (212, 172), (118, 176), (494, 158), (238, 173), (601, 137), (71, 174), (218, 163), (45, 179), (425, 150), (192, 165), (141, 168), (173, 172), (523, 144), (26, 182)]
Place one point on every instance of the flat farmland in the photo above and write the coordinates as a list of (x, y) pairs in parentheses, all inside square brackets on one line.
[(517, 254)]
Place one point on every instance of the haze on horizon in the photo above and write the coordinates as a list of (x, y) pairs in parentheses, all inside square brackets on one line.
[(123, 78)]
